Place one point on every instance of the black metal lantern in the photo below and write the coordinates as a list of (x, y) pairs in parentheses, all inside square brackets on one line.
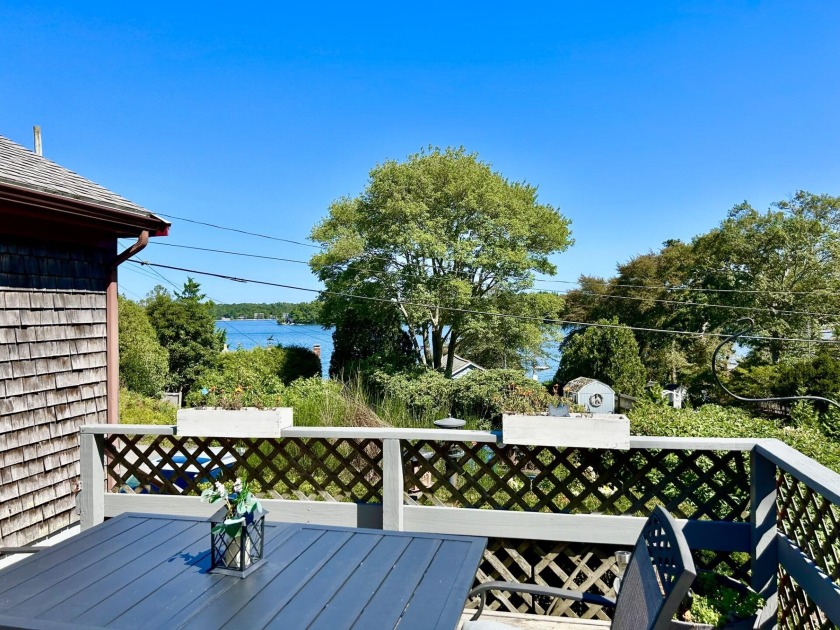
[(241, 554)]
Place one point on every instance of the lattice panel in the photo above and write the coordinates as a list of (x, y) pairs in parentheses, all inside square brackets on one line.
[(796, 610), (811, 521), (328, 469), (690, 484), (566, 565)]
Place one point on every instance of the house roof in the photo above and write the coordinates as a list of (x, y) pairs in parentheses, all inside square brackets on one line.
[(26, 177), (577, 384), (459, 364)]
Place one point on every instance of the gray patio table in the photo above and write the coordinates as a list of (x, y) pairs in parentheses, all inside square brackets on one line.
[(151, 571)]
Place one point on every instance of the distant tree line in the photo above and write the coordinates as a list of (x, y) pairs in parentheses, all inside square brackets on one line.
[(283, 312)]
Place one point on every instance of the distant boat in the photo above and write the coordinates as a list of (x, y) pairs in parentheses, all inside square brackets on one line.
[(225, 319)]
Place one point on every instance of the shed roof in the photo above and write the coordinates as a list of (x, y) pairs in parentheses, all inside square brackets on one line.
[(22, 172), (459, 364), (577, 384)]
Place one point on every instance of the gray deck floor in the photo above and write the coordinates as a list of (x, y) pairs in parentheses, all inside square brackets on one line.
[(537, 622)]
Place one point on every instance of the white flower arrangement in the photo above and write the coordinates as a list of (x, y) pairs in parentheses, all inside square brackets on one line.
[(240, 502)]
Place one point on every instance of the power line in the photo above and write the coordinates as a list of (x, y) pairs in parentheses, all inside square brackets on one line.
[(224, 251), (575, 291), (391, 260), (665, 287), (762, 309), (230, 229), (561, 322)]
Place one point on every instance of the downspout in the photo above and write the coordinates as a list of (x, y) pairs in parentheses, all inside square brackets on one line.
[(112, 375)]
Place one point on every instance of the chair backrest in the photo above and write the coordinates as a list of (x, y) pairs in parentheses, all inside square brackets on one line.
[(657, 577)]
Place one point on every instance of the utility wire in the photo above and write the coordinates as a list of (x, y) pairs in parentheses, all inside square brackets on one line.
[(224, 251), (665, 287), (574, 291), (562, 322), (633, 286), (762, 309), (230, 229)]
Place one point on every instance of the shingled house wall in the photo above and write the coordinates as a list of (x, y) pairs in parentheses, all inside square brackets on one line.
[(52, 378)]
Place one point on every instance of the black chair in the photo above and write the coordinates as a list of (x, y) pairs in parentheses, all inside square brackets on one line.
[(656, 580)]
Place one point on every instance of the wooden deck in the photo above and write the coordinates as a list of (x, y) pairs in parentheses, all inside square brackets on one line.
[(537, 622)]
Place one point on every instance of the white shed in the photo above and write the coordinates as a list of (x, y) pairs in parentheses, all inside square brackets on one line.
[(596, 396)]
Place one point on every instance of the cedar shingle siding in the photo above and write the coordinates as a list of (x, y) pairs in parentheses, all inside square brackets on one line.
[(52, 378)]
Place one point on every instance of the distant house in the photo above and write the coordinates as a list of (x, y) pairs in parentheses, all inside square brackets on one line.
[(462, 367), (58, 331), (596, 396)]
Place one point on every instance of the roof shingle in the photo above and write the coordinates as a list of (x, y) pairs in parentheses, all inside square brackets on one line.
[(21, 167)]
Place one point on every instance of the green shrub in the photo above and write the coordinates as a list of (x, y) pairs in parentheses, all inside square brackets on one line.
[(486, 395), (319, 402), (243, 378), (297, 362), (139, 409), (423, 391), (803, 415), (730, 422)]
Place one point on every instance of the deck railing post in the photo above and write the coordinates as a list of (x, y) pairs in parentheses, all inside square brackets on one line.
[(765, 553), (92, 469), (392, 485)]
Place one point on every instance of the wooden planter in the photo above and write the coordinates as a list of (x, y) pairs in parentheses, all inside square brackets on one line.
[(610, 431), (238, 555)]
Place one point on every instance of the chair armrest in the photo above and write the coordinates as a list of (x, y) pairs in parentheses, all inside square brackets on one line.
[(536, 589)]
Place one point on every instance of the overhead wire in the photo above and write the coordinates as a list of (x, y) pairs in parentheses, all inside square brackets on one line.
[(663, 287), (574, 291), (762, 309), (561, 322)]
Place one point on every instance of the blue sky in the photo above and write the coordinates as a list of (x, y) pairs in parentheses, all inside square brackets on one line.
[(641, 123)]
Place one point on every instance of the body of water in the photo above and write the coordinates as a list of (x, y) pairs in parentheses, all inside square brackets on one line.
[(250, 333)]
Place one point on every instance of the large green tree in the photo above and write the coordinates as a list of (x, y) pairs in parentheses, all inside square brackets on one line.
[(608, 352), (144, 363), (434, 237), (780, 267), (185, 326)]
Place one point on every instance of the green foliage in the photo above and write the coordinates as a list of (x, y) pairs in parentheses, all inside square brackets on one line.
[(186, 328), (716, 603), (365, 338), (486, 395), (730, 422), (244, 378), (803, 415), (329, 403), (136, 408), (442, 229), (506, 342), (610, 355), (424, 392), (298, 362), (144, 363)]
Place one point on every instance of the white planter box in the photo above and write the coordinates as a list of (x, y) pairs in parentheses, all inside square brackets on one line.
[(610, 431), (248, 422)]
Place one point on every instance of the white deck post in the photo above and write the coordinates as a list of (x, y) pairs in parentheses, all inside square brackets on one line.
[(392, 485), (92, 468), (765, 553)]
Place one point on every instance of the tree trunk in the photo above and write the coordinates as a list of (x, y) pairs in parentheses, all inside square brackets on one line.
[(450, 353), (437, 347)]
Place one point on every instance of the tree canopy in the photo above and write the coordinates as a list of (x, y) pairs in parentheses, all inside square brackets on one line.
[(434, 237), (185, 326), (608, 353), (144, 363)]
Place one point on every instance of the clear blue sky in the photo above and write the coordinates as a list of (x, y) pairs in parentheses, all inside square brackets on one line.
[(641, 122)]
